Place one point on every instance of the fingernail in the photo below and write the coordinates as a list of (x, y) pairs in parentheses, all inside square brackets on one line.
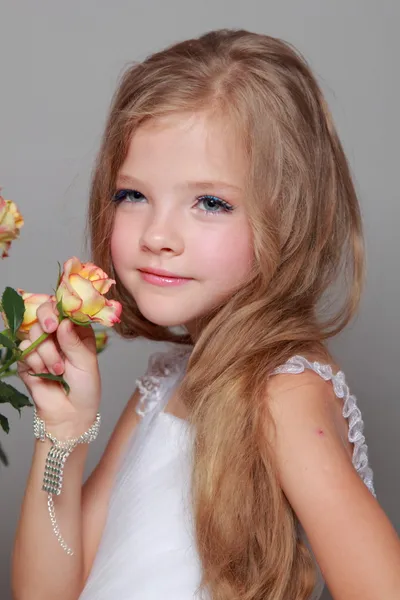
[(50, 325), (58, 369)]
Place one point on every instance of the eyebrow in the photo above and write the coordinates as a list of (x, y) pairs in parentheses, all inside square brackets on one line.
[(193, 185)]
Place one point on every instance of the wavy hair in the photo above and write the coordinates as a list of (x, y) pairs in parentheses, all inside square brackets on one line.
[(304, 288)]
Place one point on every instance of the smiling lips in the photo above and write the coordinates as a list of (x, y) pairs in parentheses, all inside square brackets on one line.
[(162, 278)]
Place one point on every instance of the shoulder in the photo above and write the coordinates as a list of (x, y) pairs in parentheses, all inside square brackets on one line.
[(329, 489), (307, 418), (308, 400), (313, 438)]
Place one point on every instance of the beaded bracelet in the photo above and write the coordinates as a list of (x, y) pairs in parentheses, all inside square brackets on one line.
[(55, 461)]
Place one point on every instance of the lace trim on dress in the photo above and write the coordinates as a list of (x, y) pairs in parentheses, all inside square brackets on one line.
[(350, 411), (161, 365)]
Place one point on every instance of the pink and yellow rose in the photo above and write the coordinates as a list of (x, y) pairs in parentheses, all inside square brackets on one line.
[(81, 292), (11, 222), (31, 303), (101, 340)]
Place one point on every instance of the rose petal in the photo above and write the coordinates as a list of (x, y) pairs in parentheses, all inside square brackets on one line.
[(3, 206), (32, 298), (72, 265), (66, 284), (110, 314), (4, 248), (90, 271), (102, 285), (19, 221), (92, 300), (10, 222), (97, 277), (32, 302), (70, 302)]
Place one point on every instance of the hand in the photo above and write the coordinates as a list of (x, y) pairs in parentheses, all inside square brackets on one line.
[(70, 351)]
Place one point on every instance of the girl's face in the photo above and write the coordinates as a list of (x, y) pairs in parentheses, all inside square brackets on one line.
[(181, 213)]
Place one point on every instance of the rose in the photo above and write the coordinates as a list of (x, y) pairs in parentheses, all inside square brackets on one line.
[(101, 340), (80, 294), (32, 303), (80, 298), (11, 222)]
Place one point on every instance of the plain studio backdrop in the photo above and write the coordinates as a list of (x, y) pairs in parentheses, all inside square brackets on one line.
[(59, 64)]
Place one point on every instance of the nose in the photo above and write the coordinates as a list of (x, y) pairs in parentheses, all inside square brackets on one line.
[(161, 234)]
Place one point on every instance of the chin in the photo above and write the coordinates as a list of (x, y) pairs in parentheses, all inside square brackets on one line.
[(170, 314), (164, 318)]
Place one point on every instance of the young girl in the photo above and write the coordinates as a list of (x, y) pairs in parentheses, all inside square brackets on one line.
[(223, 206)]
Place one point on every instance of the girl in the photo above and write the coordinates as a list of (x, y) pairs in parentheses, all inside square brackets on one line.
[(223, 206)]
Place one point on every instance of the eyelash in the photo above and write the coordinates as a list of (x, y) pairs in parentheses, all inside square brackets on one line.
[(121, 195)]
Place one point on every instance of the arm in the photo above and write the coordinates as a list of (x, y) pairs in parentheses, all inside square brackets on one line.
[(41, 569), (97, 489), (354, 542)]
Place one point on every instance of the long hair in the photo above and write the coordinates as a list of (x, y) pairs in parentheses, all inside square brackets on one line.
[(308, 252)]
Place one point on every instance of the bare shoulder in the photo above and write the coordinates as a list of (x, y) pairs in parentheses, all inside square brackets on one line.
[(306, 402), (97, 489), (303, 409), (347, 529)]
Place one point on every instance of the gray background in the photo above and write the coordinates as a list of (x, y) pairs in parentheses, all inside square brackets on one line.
[(59, 62)]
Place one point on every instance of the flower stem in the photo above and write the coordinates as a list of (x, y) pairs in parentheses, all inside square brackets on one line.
[(21, 356), (34, 344), (10, 373)]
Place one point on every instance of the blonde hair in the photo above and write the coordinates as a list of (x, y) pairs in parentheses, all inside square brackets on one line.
[(307, 242)]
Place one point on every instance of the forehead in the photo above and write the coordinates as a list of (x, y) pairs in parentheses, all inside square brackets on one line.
[(193, 146)]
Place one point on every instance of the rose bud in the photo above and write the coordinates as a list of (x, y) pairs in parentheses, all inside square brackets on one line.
[(81, 290), (32, 303), (11, 222), (101, 340)]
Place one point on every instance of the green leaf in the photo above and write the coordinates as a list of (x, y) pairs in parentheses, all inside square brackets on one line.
[(4, 423), (14, 309), (17, 399), (6, 342), (8, 334), (52, 377), (3, 457), (8, 356), (60, 272)]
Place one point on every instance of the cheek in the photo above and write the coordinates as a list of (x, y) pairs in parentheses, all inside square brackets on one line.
[(121, 241), (228, 258)]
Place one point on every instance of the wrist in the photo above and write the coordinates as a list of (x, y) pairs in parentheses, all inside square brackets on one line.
[(70, 428), (64, 441)]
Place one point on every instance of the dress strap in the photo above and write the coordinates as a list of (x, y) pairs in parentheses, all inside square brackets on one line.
[(161, 369), (297, 364)]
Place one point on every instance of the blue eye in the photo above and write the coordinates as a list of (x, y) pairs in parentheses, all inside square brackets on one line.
[(213, 204), (129, 195)]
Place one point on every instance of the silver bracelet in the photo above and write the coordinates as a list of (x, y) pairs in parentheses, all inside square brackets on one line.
[(55, 461)]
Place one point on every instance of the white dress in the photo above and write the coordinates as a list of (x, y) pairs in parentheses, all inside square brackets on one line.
[(147, 550)]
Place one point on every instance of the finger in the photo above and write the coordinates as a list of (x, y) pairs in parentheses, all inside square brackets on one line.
[(77, 343), (32, 361), (47, 315), (42, 391), (48, 351), (32, 364)]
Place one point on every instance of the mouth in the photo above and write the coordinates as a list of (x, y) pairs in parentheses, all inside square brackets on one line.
[(161, 277)]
